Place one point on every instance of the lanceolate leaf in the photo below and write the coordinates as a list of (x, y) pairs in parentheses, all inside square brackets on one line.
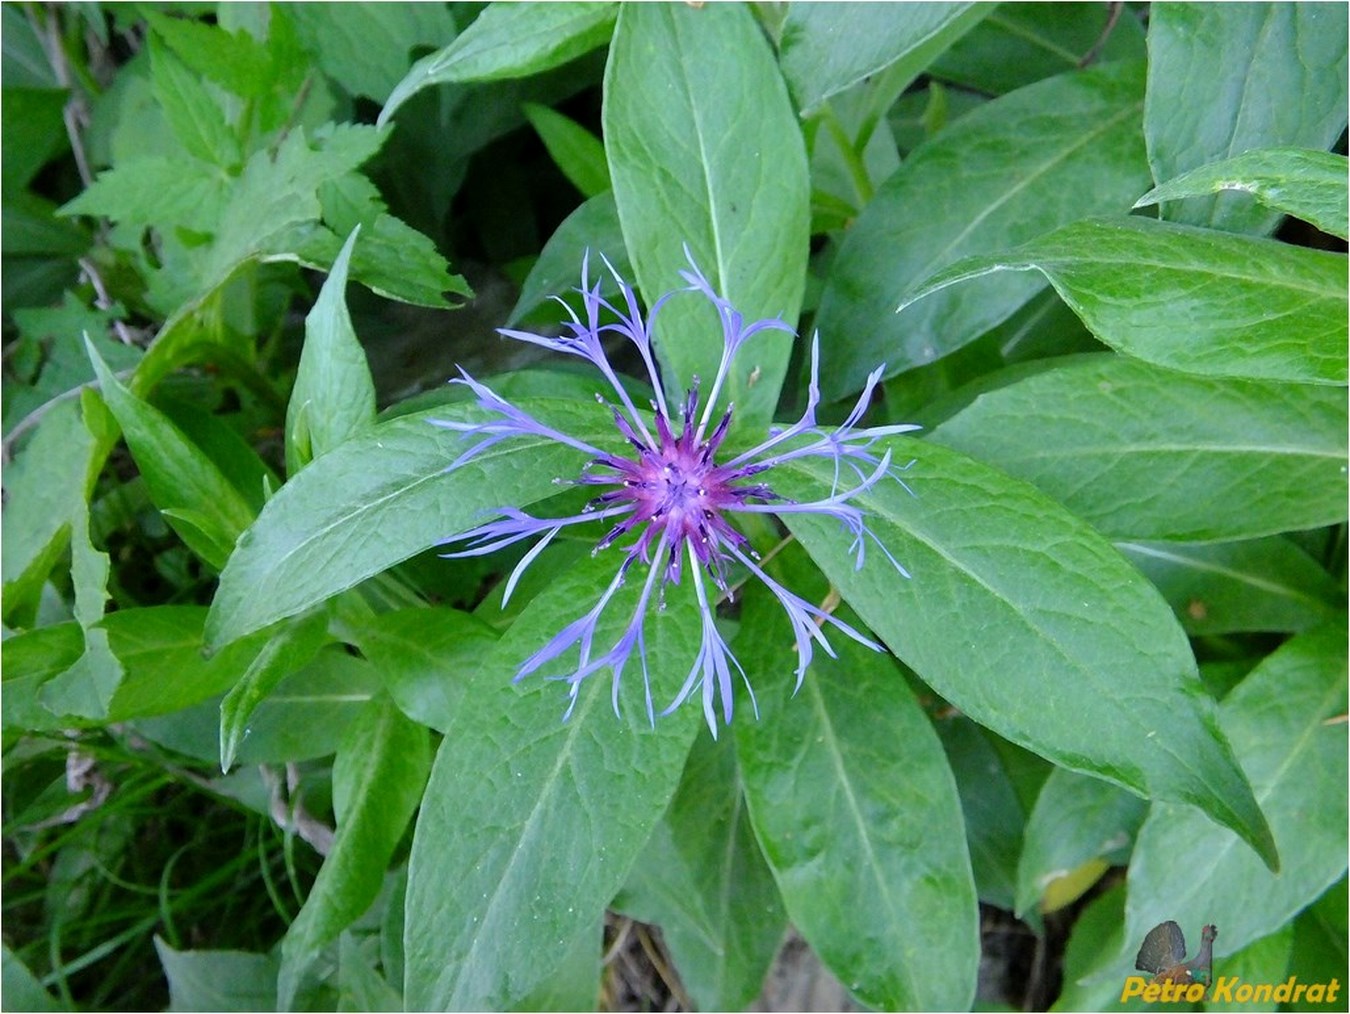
[(530, 824), (578, 152), (858, 815), (1307, 184), (46, 489), (689, 93), (1223, 80), (993, 816), (379, 499), (1091, 670), (1222, 587), (1144, 453), (1043, 156), (1189, 299), (161, 650), (1075, 819), (507, 41), (703, 880), (178, 474), (1019, 44), (334, 395), (592, 229), (378, 776), (1283, 723), (827, 47), (426, 658), (290, 646)]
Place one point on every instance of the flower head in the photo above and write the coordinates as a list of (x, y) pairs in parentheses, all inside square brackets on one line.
[(670, 497)]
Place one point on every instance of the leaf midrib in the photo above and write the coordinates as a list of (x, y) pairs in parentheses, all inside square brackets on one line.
[(1074, 664), (527, 829), (1220, 851), (1252, 580), (942, 256)]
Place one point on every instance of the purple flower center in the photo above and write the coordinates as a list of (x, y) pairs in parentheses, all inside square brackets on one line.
[(675, 492)]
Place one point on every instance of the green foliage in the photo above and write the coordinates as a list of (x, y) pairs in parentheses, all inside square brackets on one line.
[(1054, 152), (516, 842), (264, 748), (857, 826), (690, 95), (1297, 181), (1265, 310)]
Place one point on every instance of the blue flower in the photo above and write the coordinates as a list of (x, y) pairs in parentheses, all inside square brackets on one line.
[(671, 500)]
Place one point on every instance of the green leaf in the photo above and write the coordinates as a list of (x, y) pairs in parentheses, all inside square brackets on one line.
[(703, 880), (361, 987), (1143, 453), (1225, 80), (186, 335), (86, 688), (593, 228), (334, 395), (858, 816), (1296, 181), (1282, 722), (378, 776), (22, 989), (1090, 669), (31, 659), (1045, 155), (157, 191), (234, 60), (1227, 587), (303, 718), (274, 193), (530, 824), (160, 647), (393, 259), (218, 980), (1189, 299), (30, 227), (852, 150), (1019, 44), (510, 41), (34, 131), (196, 119), (291, 646), (52, 334), (379, 499), (992, 815), (365, 46), (704, 150), (1319, 947), (1100, 929), (25, 62), (227, 447), (1261, 961), (1075, 819), (828, 47), (578, 152), (179, 476), (425, 657), (578, 984), (45, 489)]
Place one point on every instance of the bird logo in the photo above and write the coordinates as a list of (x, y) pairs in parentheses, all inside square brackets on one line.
[(1163, 953)]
